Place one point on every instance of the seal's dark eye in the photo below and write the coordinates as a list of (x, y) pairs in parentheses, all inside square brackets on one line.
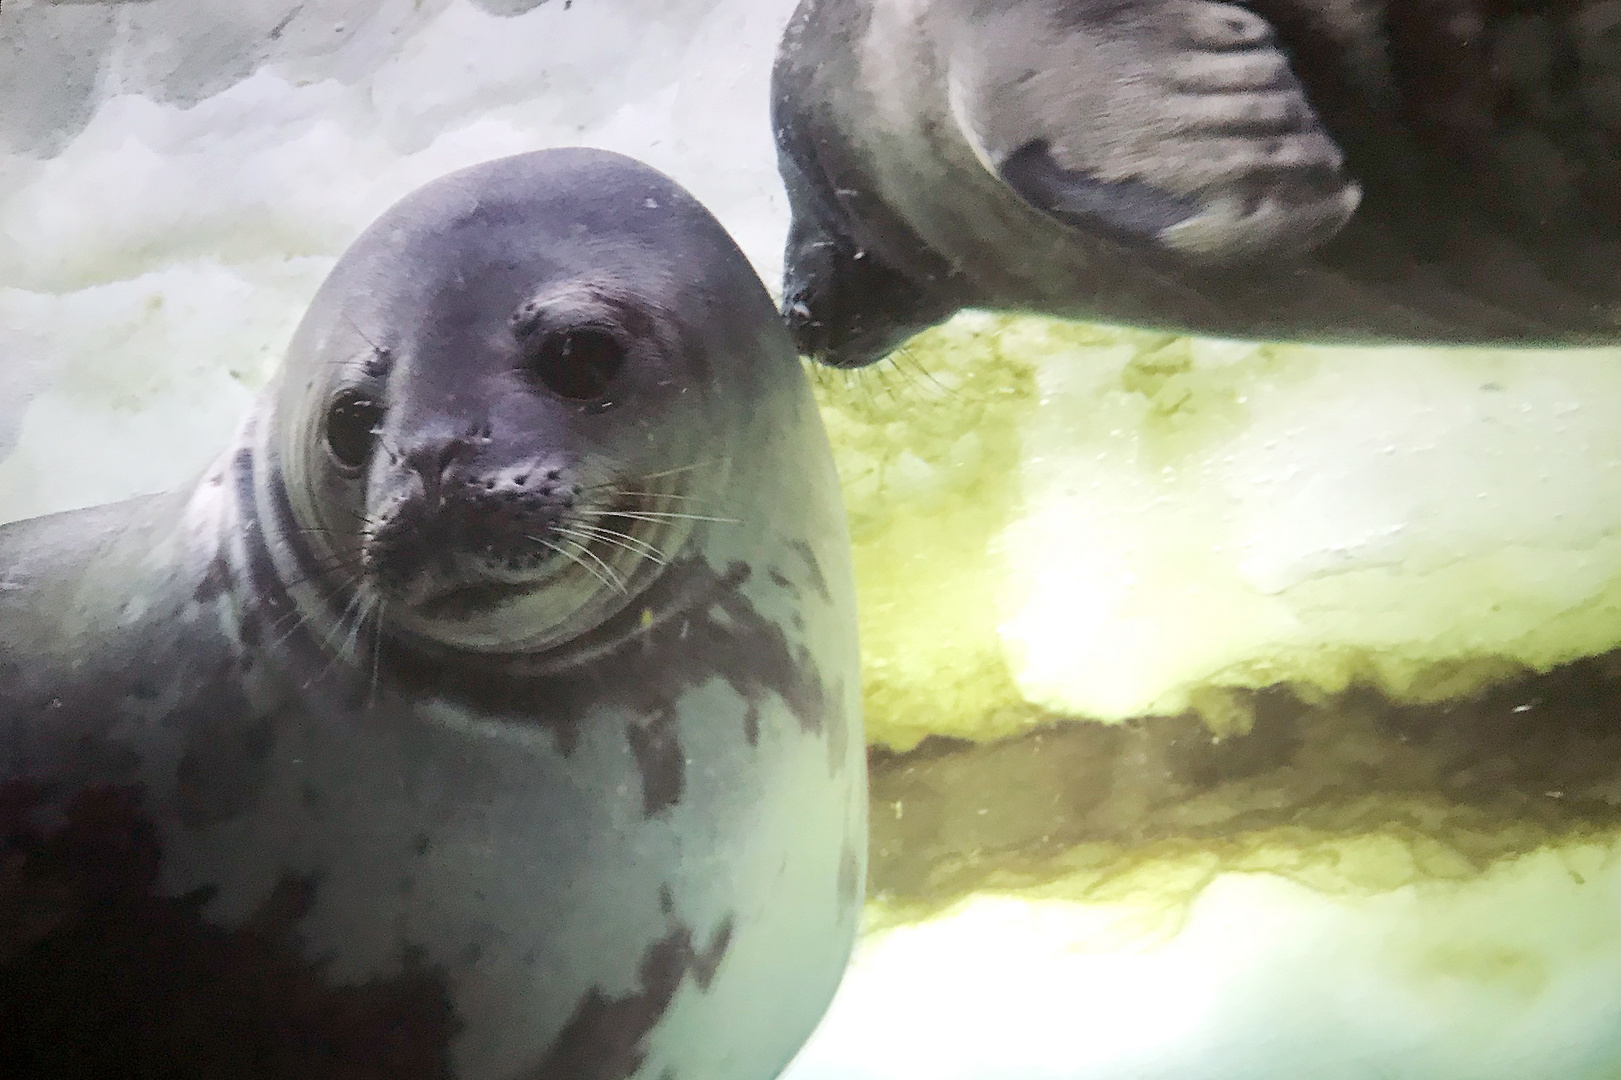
[(352, 424), (578, 364)]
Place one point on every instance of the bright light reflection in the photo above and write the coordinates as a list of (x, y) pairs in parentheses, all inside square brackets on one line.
[(1508, 977)]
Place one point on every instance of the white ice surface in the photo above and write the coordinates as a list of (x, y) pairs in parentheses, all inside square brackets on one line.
[(221, 217), (1511, 977)]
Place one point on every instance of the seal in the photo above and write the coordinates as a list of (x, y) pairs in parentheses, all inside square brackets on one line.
[(489, 710), (1320, 170)]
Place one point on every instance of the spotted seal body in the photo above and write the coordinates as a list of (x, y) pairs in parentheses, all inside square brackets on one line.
[(1325, 170), (488, 711)]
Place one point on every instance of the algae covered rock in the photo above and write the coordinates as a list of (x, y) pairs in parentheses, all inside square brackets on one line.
[(1064, 520)]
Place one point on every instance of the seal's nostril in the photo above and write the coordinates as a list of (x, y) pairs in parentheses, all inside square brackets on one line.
[(435, 460)]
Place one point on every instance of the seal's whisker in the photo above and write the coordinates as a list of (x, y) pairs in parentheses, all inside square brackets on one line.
[(569, 555), (297, 616), (618, 582), (345, 534), (610, 542), (686, 468), (879, 383), (376, 649), (589, 534), (326, 642), (904, 357), (644, 477), (316, 530), (626, 537), (819, 374), (300, 616), (585, 539), (351, 647), (322, 572), (382, 358), (358, 604), (656, 515), (889, 373), (660, 495), (348, 641), (329, 638), (613, 488), (394, 455)]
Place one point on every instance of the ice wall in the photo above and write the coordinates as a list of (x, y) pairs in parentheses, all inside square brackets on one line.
[(176, 176)]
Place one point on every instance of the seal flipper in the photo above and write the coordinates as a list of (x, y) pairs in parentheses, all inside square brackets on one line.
[(1176, 123), (1130, 209)]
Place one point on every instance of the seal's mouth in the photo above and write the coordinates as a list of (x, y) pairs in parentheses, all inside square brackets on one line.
[(498, 559), (465, 543), (461, 601), (441, 581), (455, 585)]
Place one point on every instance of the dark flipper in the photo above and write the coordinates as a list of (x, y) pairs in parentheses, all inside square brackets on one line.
[(1173, 123), (1129, 210)]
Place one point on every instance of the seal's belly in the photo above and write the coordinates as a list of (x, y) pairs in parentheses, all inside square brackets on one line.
[(578, 935)]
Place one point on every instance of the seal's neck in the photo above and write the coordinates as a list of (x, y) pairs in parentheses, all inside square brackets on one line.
[(289, 607)]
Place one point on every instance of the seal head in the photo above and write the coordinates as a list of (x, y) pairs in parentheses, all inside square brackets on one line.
[(479, 449)]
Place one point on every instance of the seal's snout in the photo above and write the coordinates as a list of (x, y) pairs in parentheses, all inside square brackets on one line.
[(843, 305), (456, 521), (432, 462)]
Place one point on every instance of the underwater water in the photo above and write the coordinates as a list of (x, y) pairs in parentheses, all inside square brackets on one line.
[(1236, 709)]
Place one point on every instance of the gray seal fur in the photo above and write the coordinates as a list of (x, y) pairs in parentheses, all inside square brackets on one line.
[(1324, 170), (510, 648)]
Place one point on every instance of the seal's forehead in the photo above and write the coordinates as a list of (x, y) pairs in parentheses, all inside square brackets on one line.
[(568, 210), (450, 266)]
